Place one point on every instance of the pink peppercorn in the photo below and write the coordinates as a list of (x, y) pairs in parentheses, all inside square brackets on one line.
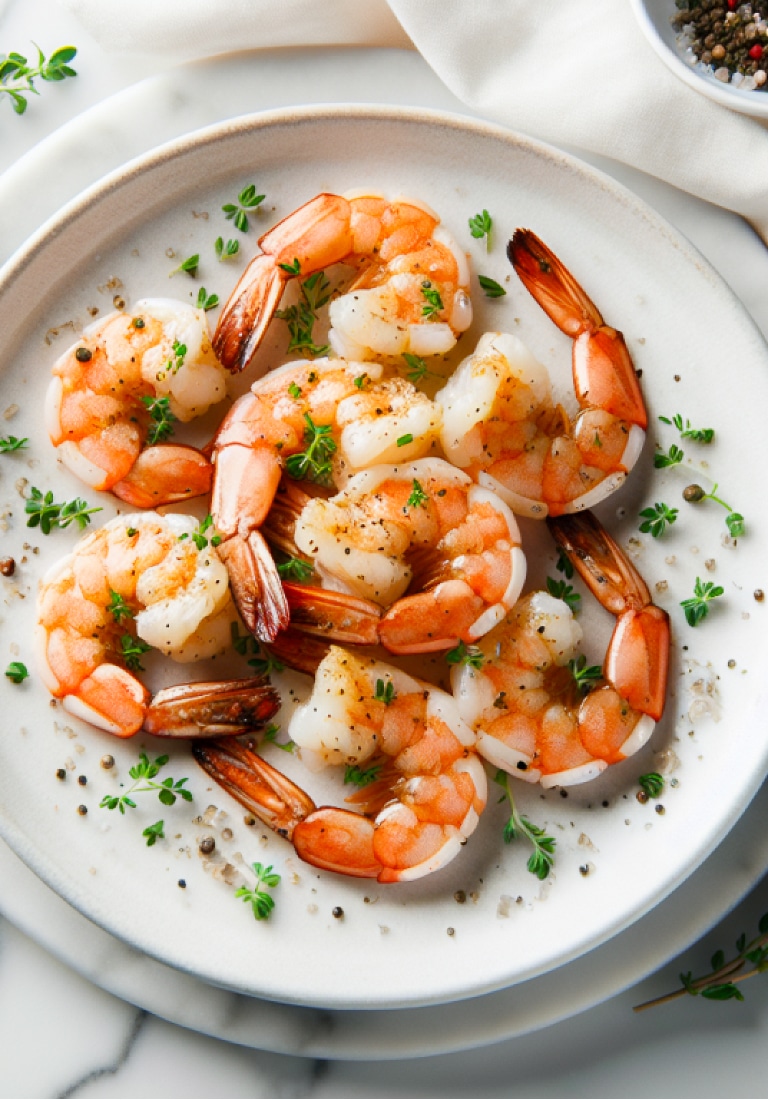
[(756, 51)]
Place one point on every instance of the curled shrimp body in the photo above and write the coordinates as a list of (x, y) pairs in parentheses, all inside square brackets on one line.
[(530, 717), (501, 423), (318, 420), (439, 555), (98, 405), (428, 790), (410, 293), (142, 576)]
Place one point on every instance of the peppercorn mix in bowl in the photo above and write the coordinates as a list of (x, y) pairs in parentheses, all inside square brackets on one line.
[(717, 47)]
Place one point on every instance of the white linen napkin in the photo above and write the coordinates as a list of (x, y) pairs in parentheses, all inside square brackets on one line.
[(575, 72)]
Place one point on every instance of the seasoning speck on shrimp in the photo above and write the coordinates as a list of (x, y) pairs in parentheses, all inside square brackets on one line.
[(142, 576), (530, 716), (99, 405), (410, 294), (429, 790)]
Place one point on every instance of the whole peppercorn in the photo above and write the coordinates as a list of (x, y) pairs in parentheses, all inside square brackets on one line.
[(693, 493)]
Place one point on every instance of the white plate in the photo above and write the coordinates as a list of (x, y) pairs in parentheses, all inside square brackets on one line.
[(642, 275), (654, 18)]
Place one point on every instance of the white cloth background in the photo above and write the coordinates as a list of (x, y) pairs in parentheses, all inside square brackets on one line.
[(573, 72)]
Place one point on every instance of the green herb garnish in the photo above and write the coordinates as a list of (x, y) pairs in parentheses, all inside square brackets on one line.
[(480, 225), (17, 76), (270, 735), (315, 292), (517, 826), (11, 443), (117, 607), (17, 672), (132, 650), (206, 301), (672, 458), (155, 832), (696, 607), (585, 676), (46, 515), (418, 497), (292, 269), (417, 369), (721, 983), (463, 654), (433, 302), (313, 464), (261, 902), (200, 537), (700, 435), (144, 773), (491, 287), (295, 569), (159, 409), (655, 519), (385, 692), (247, 201), (359, 777), (190, 265), (652, 784), (561, 590), (225, 251)]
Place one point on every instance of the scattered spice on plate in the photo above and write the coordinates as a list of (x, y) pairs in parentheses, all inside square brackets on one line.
[(727, 39)]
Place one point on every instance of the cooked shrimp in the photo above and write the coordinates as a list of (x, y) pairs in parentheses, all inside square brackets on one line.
[(142, 576), (439, 555), (97, 412), (501, 424), (523, 702), (318, 420), (410, 295), (424, 802)]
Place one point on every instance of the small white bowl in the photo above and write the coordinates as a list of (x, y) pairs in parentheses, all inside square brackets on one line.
[(654, 18)]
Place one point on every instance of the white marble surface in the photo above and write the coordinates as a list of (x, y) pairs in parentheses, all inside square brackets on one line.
[(96, 1044)]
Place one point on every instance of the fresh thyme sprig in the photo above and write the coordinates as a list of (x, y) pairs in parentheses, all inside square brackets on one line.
[(17, 672), (132, 650), (561, 590), (44, 513), (226, 251), (491, 287), (673, 457), (734, 521), (480, 226), (159, 409), (696, 607), (721, 983), (315, 292), (564, 565), (433, 303), (295, 569), (190, 265), (247, 201), (117, 607), (651, 784), (201, 537), (385, 692), (585, 676), (11, 443), (468, 655), (313, 464), (655, 519), (144, 773), (699, 435), (270, 735), (360, 777), (17, 76), (417, 368), (205, 300), (246, 644), (418, 497), (543, 858), (260, 900)]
